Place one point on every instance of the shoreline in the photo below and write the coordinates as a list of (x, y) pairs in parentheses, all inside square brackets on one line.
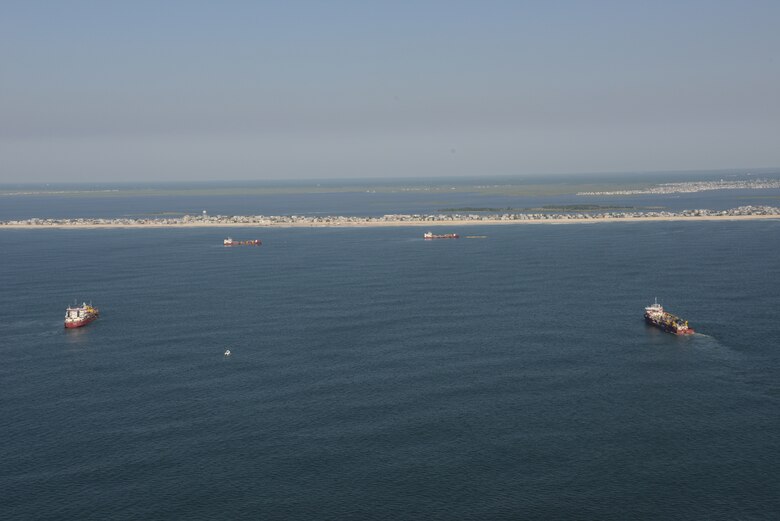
[(385, 224)]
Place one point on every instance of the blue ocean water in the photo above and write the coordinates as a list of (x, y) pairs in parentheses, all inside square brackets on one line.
[(375, 375)]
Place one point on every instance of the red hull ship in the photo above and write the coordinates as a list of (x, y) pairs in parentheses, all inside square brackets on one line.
[(231, 242), (656, 316), (430, 235), (80, 316)]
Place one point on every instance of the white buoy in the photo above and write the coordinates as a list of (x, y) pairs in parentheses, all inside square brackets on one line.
[(227, 353)]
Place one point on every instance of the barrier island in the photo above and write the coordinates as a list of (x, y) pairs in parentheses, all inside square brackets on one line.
[(439, 219)]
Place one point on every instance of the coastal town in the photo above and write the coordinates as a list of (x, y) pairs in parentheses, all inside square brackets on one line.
[(696, 186), (395, 219)]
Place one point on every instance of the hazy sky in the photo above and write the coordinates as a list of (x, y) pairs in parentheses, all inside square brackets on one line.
[(168, 90)]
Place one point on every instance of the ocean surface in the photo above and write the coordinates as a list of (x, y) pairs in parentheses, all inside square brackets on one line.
[(375, 375)]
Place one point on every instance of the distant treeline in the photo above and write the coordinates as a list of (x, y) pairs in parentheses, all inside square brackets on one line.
[(546, 208)]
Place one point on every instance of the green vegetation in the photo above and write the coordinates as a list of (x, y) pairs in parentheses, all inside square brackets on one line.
[(546, 208), (476, 210), (162, 214), (580, 208)]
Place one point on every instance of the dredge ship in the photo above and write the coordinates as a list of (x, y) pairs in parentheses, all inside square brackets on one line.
[(430, 235), (656, 316), (80, 316), (230, 242)]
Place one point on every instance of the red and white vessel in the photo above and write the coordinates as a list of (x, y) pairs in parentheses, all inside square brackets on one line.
[(431, 235), (80, 316), (656, 316)]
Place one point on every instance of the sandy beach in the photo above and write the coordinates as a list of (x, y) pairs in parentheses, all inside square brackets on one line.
[(389, 224)]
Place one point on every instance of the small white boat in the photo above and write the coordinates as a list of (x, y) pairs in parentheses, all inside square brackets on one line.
[(227, 353)]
